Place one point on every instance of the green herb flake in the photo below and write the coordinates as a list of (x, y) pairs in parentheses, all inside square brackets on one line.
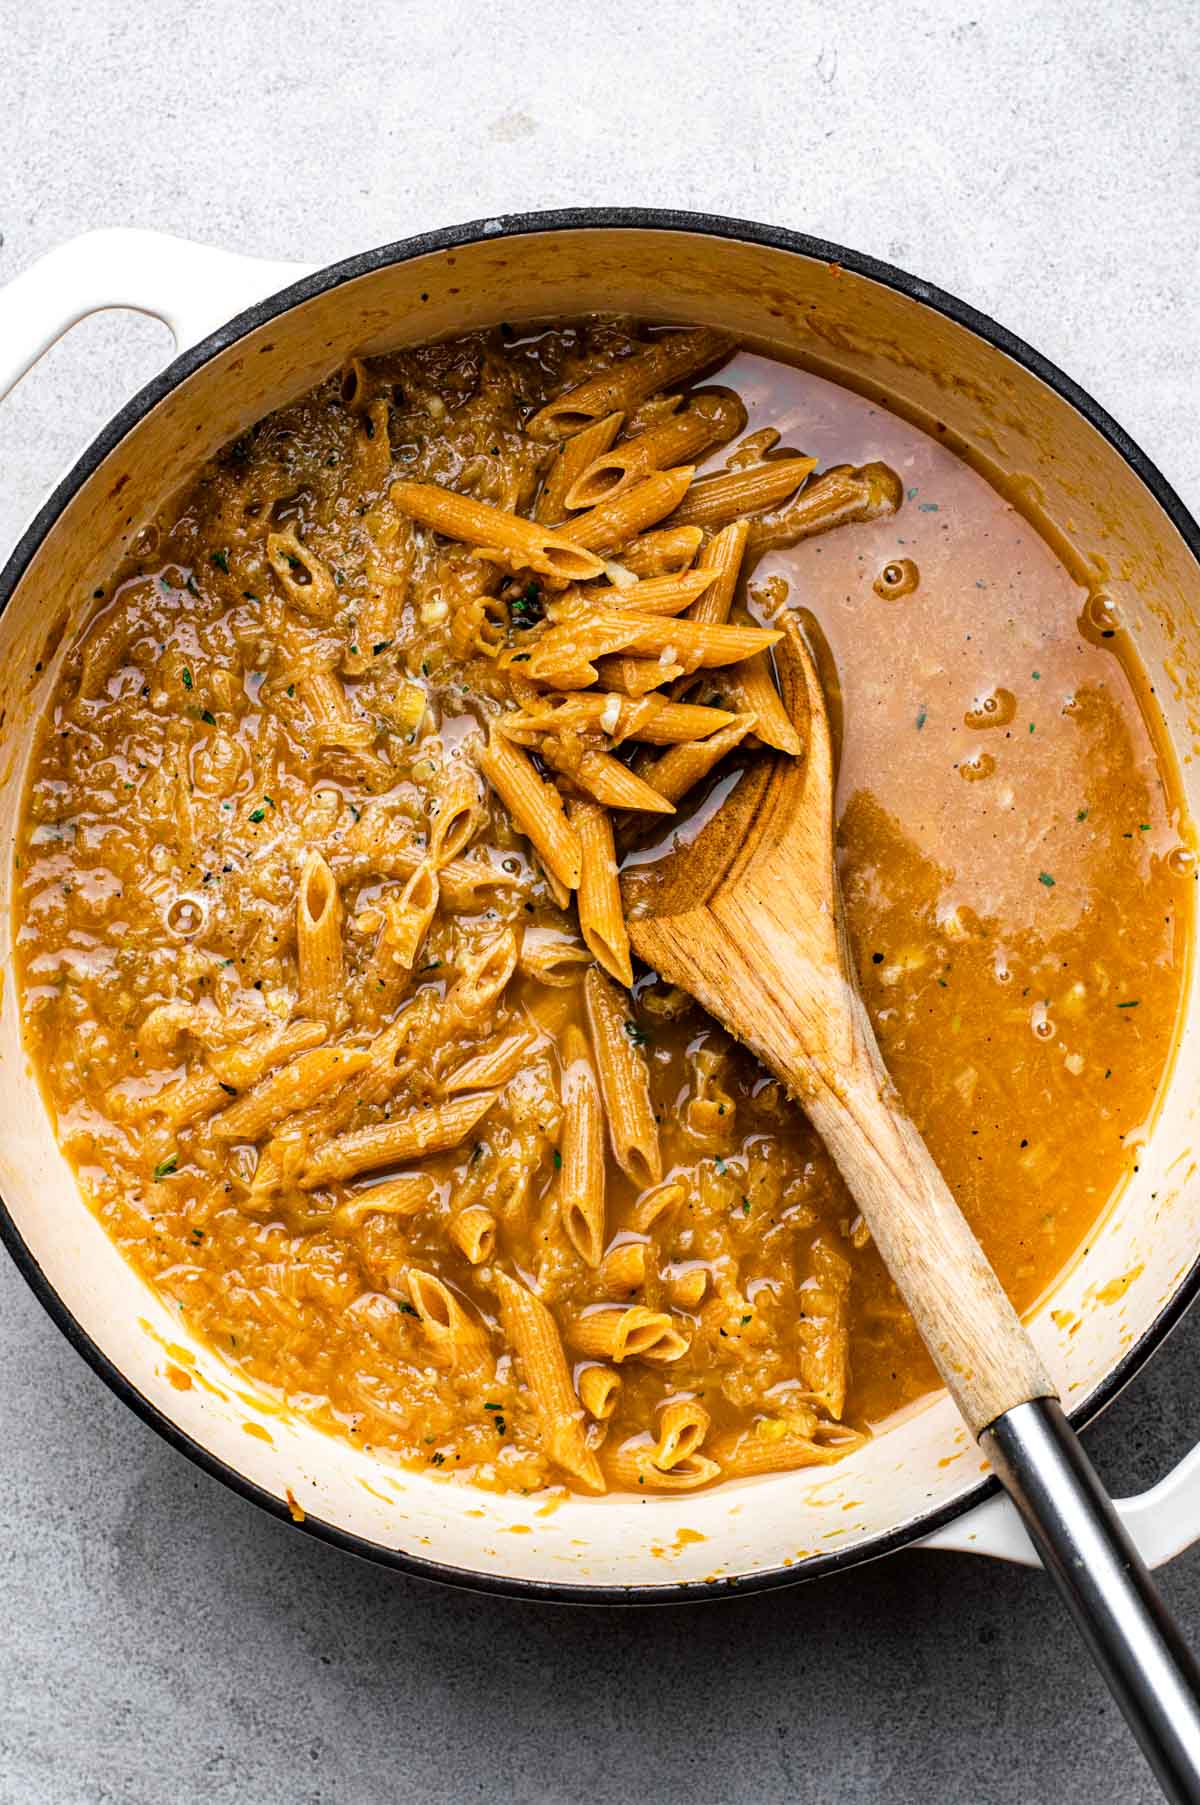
[(1045, 878), (1081, 814), (745, 1320), (745, 1206), (1143, 827), (207, 716), (636, 1034), (922, 717), (257, 814), (381, 645), (1136, 1004), (227, 1088), (221, 560), (187, 678), (190, 586), (721, 1167), (405, 1309), (493, 1407), (354, 649), (557, 1160), (166, 1167), (1031, 727)]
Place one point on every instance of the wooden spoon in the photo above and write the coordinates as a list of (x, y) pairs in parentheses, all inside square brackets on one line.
[(743, 910)]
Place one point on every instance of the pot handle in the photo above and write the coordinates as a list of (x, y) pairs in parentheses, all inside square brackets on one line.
[(191, 288), (1162, 1522)]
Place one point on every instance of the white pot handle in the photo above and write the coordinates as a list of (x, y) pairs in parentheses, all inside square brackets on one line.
[(192, 288), (1163, 1522)]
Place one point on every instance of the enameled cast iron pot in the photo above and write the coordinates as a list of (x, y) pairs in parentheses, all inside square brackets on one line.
[(1082, 481)]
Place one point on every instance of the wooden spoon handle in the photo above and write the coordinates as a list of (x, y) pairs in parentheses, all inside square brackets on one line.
[(976, 1339)]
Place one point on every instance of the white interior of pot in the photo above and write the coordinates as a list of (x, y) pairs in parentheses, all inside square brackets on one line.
[(842, 323)]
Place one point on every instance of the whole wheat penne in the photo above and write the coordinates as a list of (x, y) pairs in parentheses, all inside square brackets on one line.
[(334, 722), (565, 655), (664, 553), (614, 523), (672, 358), (533, 1332), (620, 1332), (490, 1069), (683, 1423), (722, 561), (838, 497), (406, 921), (599, 1391), (775, 1447), (457, 1336), (657, 1207), (568, 462), (389, 562), (406, 1195), (241, 1066), (552, 956), (293, 1087), (654, 595), (631, 1467), (651, 412), (678, 769), (504, 538), (372, 447), (624, 1080), (687, 1286), (304, 578), (319, 939), (623, 1269), (473, 1232), (409, 1136), (458, 819), (628, 676), (483, 976), (651, 719), (535, 806), (602, 776), (601, 919), (709, 419), (581, 1151), (717, 500), (751, 688)]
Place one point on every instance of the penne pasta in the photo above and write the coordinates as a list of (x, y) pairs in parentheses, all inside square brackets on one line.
[(722, 562), (656, 1208), (671, 358), (305, 580), (407, 1137), (389, 563), (406, 921), (553, 956), (620, 1332), (751, 688), (536, 808), (581, 1180), (319, 939), (651, 719), (687, 1288), (459, 818), (568, 463), (601, 919), (677, 770), (483, 977), (534, 1335), (242, 1066), (635, 676), (599, 1389), (838, 497), (632, 1467), (665, 553), (709, 419), (719, 499), (683, 1425), (614, 523), (602, 776), (654, 595), (457, 1337), (490, 1070), (623, 1269), (496, 534), (473, 1232), (772, 1445), (565, 655), (624, 1081), (406, 1195), (291, 1088)]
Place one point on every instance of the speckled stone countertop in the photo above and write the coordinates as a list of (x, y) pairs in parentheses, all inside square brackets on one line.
[(160, 1640)]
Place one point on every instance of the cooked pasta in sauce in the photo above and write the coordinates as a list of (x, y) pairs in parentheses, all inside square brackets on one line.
[(322, 959)]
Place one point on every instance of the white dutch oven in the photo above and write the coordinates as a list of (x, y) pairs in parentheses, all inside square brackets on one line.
[(242, 354)]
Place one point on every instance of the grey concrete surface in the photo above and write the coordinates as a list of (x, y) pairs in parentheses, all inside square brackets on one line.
[(159, 1639)]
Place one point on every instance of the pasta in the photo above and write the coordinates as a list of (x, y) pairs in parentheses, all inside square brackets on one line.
[(581, 1184), (621, 1065), (318, 910)]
